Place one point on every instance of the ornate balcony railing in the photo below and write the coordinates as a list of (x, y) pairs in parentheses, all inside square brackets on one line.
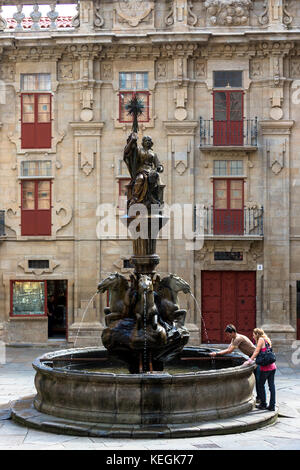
[(246, 222), (19, 22), (2, 224), (228, 133)]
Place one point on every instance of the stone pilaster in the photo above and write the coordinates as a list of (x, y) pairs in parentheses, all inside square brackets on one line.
[(86, 327), (276, 144), (180, 187)]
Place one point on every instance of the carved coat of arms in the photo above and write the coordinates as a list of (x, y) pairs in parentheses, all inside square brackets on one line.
[(134, 11)]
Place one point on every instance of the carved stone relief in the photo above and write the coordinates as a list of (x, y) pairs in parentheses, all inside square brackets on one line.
[(12, 219), (161, 70), (224, 13), (295, 68), (133, 12), (87, 151), (180, 155), (275, 12), (181, 13), (276, 155), (64, 215), (200, 69), (62, 212), (252, 253), (3, 22), (53, 264), (7, 72), (65, 71), (86, 89), (98, 18), (276, 63), (106, 71), (256, 68), (180, 90)]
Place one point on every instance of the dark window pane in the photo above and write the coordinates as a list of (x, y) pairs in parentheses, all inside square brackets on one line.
[(228, 256), (38, 264), (220, 106), (236, 106), (232, 78)]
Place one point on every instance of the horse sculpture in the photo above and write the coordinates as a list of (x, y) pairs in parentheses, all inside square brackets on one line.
[(145, 308), (119, 297), (167, 298)]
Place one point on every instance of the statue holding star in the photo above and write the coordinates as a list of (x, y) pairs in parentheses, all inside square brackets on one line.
[(143, 164)]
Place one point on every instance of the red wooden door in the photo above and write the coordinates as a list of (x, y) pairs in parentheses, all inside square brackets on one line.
[(227, 297), (228, 207), (228, 118)]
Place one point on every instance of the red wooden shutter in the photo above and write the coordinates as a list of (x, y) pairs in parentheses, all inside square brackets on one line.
[(36, 208), (36, 120), (228, 118), (28, 120), (43, 120), (228, 207)]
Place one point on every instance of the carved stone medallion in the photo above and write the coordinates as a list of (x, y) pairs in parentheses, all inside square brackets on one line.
[(133, 11)]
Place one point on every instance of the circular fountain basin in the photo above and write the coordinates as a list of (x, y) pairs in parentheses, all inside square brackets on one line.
[(85, 396)]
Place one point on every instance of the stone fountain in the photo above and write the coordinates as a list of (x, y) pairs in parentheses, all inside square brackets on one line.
[(146, 383)]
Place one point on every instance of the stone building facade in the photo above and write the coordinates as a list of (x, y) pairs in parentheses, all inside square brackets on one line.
[(220, 81)]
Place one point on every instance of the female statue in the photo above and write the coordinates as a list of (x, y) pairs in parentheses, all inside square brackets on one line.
[(144, 168)]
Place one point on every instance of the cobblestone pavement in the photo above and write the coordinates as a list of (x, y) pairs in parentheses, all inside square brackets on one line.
[(17, 380)]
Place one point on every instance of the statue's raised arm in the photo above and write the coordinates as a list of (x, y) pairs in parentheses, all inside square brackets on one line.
[(130, 154)]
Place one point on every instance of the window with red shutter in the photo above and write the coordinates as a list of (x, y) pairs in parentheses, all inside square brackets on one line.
[(133, 84), (228, 206), (228, 118), (36, 120), (36, 208)]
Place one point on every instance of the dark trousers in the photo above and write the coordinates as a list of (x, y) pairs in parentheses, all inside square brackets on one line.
[(269, 376), (50, 325), (256, 375)]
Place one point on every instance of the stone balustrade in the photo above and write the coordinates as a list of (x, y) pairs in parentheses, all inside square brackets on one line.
[(147, 15), (19, 22)]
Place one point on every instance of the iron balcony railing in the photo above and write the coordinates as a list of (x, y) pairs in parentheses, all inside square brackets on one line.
[(228, 133), (244, 222), (2, 224)]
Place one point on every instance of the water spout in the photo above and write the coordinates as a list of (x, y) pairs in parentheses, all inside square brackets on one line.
[(201, 316), (83, 316), (145, 332)]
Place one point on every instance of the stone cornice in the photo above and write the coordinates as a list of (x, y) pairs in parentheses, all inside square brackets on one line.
[(87, 128), (276, 127), (148, 46), (180, 128)]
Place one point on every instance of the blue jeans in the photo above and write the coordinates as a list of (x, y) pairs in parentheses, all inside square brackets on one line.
[(269, 376)]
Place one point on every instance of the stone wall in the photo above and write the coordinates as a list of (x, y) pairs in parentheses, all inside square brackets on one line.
[(180, 44)]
